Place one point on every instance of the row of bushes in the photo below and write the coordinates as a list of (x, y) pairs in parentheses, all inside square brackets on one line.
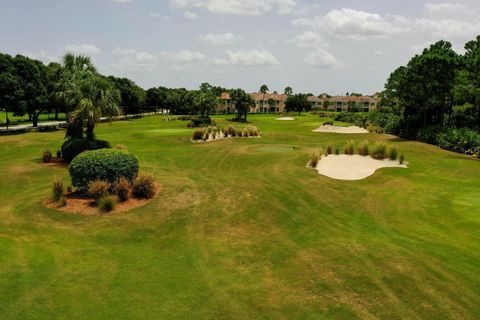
[(463, 140), (212, 133), (379, 151)]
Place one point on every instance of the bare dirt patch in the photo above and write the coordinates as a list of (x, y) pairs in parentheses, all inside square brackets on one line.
[(353, 167), (344, 130)]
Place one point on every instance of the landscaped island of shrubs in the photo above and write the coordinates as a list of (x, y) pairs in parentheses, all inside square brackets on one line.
[(215, 133), (101, 180)]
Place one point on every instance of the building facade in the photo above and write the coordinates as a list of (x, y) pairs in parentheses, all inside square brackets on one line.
[(275, 103)]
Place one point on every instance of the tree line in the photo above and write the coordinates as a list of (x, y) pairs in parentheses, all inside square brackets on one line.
[(437, 89)]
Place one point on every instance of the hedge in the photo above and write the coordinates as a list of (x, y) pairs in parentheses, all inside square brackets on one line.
[(105, 164)]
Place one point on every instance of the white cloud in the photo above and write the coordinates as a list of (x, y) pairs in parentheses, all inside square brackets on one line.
[(360, 25), (444, 6), (378, 52), (218, 39), (448, 29), (249, 58), (184, 56), (309, 39), (237, 7), (122, 1), (123, 51), (323, 59), (88, 49), (190, 15)]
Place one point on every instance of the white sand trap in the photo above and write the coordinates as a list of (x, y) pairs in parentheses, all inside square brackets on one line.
[(286, 119), (337, 129), (353, 167)]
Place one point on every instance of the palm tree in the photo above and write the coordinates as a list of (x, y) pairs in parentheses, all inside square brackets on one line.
[(242, 102), (263, 89), (288, 91), (89, 96)]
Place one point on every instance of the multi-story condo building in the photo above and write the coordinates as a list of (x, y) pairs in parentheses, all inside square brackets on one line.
[(275, 103)]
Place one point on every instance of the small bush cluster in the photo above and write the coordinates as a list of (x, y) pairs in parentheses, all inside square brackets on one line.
[(47, 156), (329, 149), (328, 123), (98, 189), (144, 187), (122, 189), (392, 153), (58, 190), (379, 151), (375, 129), (363, 149), (315, 156), (212, 133), (349, 147), (107, 203)]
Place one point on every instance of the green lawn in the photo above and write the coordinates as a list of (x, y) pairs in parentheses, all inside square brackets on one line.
[(242, 230), (24, 119)]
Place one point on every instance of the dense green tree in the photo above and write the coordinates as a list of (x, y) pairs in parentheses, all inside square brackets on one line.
[(423, 89), (466, 90), (33, 96), (155, 98), (9, 84), (298, 102), (132, 96), (288, 91), (242, 101)]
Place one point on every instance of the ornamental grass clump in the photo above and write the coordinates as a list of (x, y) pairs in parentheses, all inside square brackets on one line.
[(315, 156), (329, 149), (349, 148), (144, 187), (47, 156), (98, 189), (107, 203), (122, 189), (57, 189), (402, 159), (363, 148), (392, 153), (197, 135), (379, 151), (231, 131)]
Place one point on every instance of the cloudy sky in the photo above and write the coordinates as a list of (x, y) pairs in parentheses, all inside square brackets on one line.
[(330, 46)]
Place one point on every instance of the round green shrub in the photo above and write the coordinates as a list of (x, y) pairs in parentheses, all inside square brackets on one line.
[(73, 147), (106, 164)]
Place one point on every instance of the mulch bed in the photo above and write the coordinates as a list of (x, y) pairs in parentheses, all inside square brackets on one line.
[(78, 203)]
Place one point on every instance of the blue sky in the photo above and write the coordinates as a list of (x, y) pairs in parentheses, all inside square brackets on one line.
[(312, 46)]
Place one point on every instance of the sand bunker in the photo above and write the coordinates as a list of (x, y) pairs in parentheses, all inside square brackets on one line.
[(353, 167), (336, 129), (285, 119)]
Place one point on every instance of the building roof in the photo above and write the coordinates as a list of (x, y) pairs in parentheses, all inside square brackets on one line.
[(258, 96)]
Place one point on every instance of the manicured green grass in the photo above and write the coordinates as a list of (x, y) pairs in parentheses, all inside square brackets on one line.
[(242, 230)]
